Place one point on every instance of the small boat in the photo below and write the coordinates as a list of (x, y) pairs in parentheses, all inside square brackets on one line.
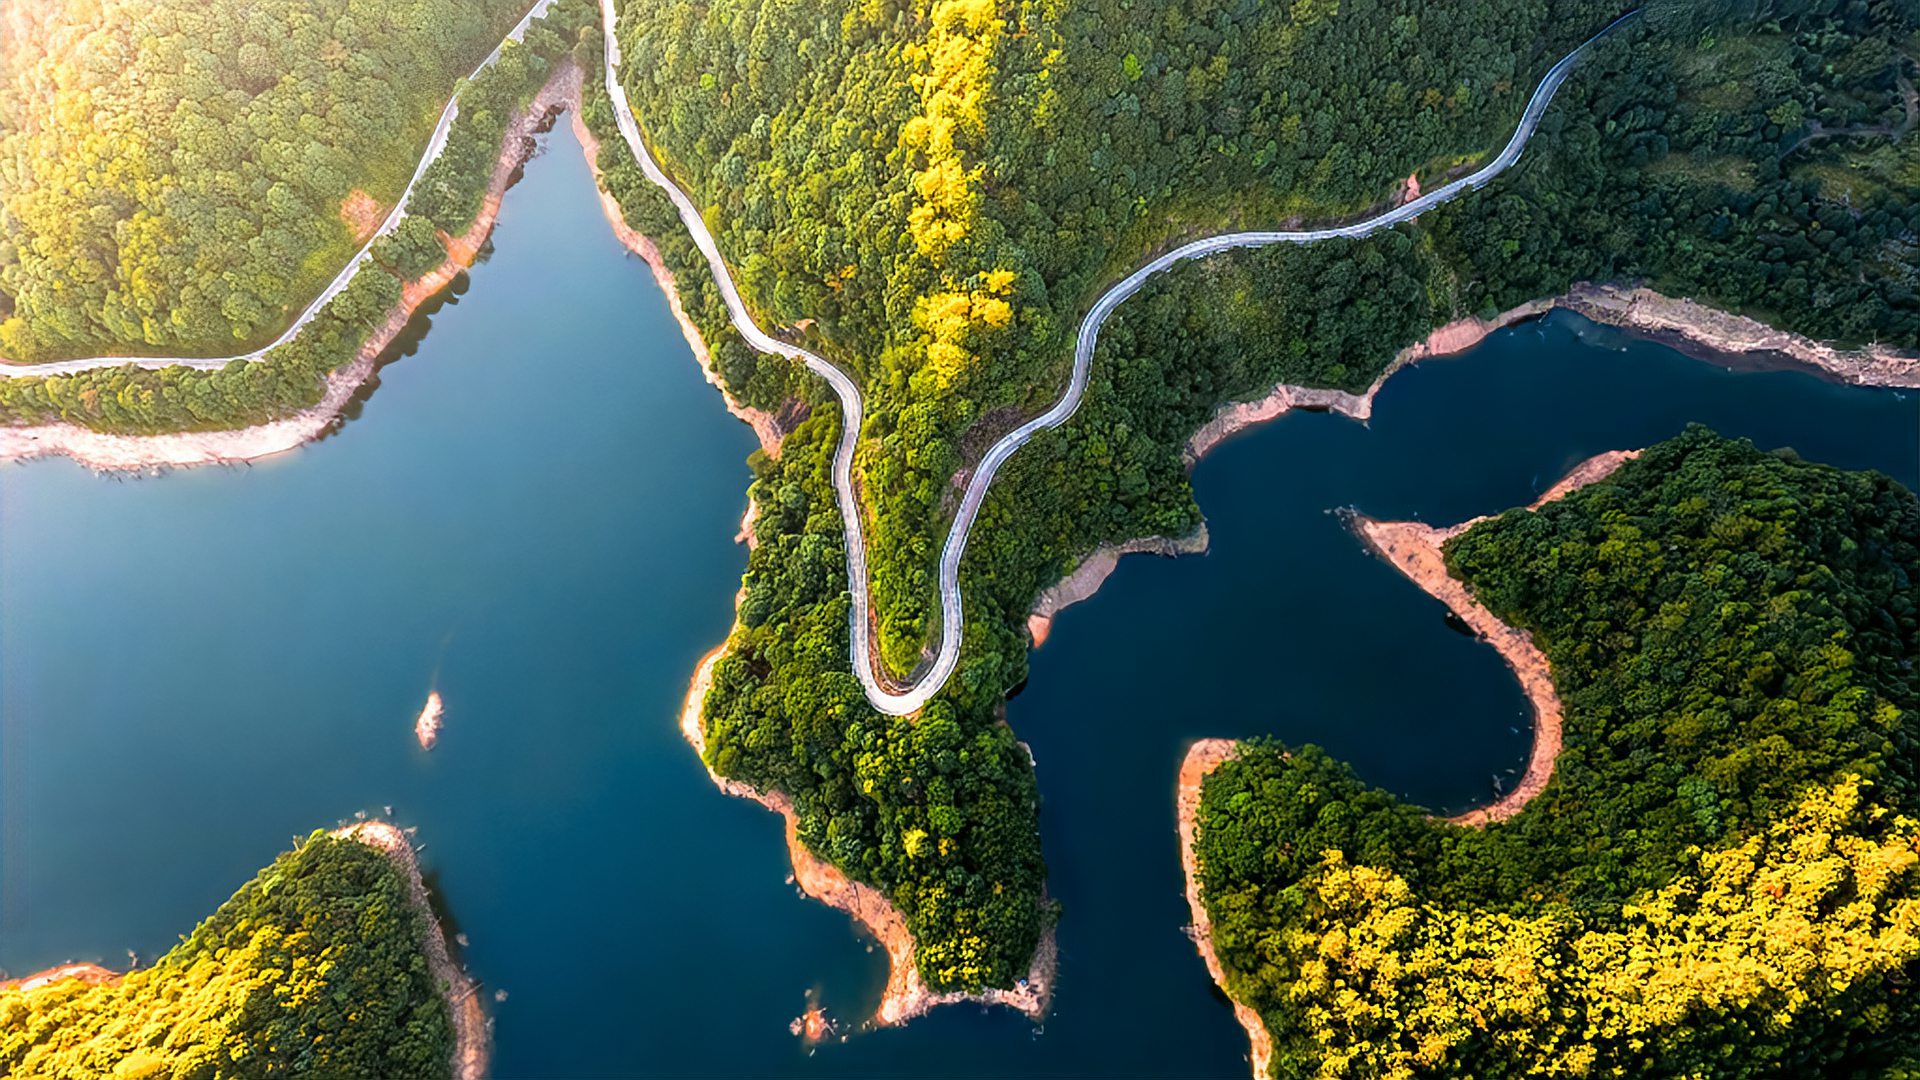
[(427, 728)]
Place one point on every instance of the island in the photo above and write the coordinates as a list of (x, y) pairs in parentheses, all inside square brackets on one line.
[(329, 962), (1719, 868)]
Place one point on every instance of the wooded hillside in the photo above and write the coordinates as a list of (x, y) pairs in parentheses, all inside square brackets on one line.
[(183, 177)]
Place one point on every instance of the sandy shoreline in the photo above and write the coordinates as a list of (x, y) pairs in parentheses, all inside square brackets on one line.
[(766, 426), (906, 995), (91, 974), (1413, 548), (1737, 336), (472, 1031), (1666, 319), (1202, 758), (140, 453)]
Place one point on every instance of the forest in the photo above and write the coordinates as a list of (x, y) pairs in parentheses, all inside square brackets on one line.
[(1723, 876), (831, 182), (133, 400), (182, 178), (313, 968)]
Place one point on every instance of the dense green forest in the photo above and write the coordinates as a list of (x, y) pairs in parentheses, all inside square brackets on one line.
[(138, 401), (1722, 877), (941, 186), (313, 968), (823, 144), (184, 177)]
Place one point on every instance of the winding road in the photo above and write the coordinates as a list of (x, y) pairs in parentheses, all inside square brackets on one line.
[(912, 698), (435, 145)]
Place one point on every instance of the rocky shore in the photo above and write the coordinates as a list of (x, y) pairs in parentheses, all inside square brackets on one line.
[(1085, 579), (472, 1031)]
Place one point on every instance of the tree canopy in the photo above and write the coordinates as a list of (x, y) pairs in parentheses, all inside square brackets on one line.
[(931, 193), (184, 177), (313, 968)]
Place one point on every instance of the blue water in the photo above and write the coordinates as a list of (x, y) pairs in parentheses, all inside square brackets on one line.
[(197, 668)]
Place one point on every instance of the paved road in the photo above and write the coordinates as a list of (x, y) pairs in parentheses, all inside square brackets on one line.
[(10, 369), (888, 700), (910, 699)]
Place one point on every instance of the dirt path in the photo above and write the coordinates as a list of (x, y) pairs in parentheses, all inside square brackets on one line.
[(1909, 97)]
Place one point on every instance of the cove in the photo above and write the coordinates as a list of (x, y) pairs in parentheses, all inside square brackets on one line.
[(194, 669)]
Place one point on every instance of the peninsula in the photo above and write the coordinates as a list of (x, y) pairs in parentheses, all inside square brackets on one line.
[(365, 1003), (1762, 755)]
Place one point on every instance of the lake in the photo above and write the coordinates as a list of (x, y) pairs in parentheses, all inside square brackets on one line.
[(196, 669)]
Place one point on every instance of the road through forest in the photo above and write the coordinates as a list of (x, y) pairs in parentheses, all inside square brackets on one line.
[(900, 702)]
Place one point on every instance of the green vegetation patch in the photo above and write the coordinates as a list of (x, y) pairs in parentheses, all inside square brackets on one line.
[(1722, 877), (313, 968)]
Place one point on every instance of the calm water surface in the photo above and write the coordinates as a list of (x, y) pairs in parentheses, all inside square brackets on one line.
[(198, 668)]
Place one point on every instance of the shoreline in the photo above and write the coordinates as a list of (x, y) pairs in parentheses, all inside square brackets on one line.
[(472, 1031), (90, 973), (1678, 323), (1202, 758), (1413, 548), (107, 452), (1084, 580), (1697, 330), (907, 996), (767, 426), (1694, 329)]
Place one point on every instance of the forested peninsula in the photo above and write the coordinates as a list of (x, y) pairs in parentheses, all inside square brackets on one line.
[(180, 177), (1722, 876), (328, 963)]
